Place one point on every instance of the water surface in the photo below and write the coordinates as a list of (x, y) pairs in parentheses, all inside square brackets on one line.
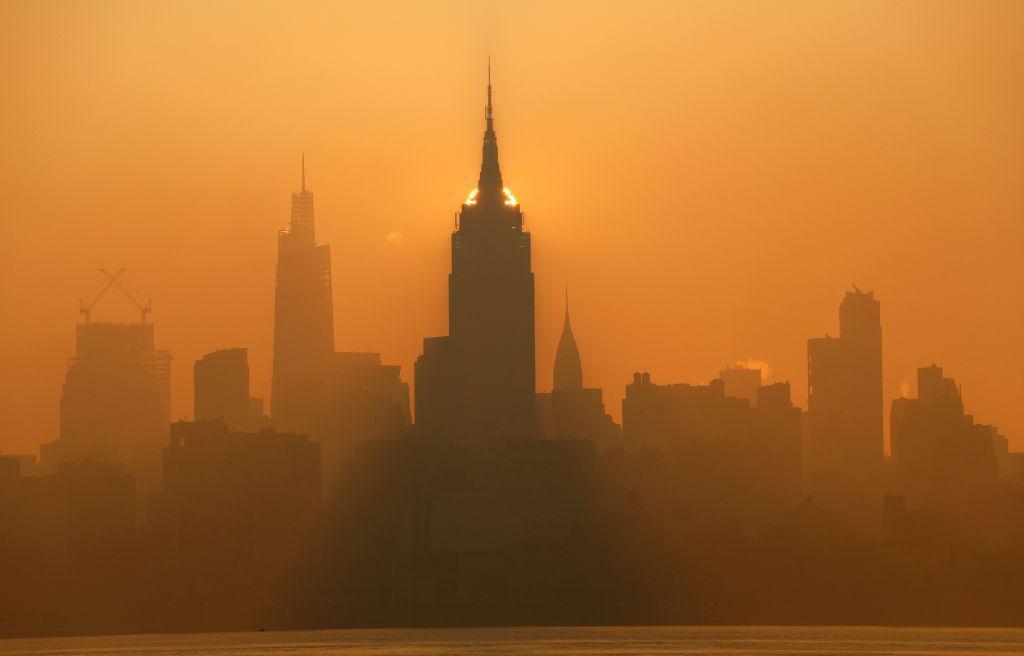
[(601, 641)]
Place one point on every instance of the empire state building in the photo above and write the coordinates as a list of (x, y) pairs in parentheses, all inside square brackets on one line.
[(478, 382)]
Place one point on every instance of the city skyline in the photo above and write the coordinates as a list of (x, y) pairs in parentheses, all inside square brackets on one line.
[(771, 402), (240, 191)]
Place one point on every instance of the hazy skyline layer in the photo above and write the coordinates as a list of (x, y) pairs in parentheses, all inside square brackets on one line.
[(707, 178)]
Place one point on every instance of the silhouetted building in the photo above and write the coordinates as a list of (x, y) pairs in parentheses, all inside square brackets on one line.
[(363, 400), (571, 410), (708, 457), (64, 541), (1011, 463), (303, 318), (235, 512), (478, 382), (942, 457), (434, 528), (22, 465), (222, 390), (115, 403), (844, 399), (568, 373), (337, 399), (257, 483), (741, 382), (10, 470)]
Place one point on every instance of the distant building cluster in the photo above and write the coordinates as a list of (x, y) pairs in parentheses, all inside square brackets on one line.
[(718, 502)]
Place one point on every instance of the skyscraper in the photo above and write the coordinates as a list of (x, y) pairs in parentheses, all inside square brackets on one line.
[(844, 379), (741, 382), (568, 373), (222, 389), (571, 410), (303, 316), (942, 457), (478, 382), (115, 402)]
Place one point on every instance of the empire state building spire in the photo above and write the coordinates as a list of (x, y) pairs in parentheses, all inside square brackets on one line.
[(490, 184)]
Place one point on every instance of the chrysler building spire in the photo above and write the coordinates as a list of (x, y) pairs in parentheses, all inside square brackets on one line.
[(568, 367)]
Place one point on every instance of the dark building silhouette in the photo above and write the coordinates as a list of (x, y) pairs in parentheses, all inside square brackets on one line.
[(568, 372), (706, 458), (431, 530), (741, 382), (222, 390), (235, 512), (1011, 463), (478, 382), (259, 483), (303, 318), (570, 410), (363, 399), (115, 402), (943, 459), (21, 464), (65, 542), (336, 398), (844, 380)]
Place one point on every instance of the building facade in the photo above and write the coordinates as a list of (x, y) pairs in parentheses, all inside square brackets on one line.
[(478, 382), (844, 380), (303, 317)]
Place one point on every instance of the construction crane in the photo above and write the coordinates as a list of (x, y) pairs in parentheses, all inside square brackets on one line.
[(114, 280), (143, 309), (84, 309)]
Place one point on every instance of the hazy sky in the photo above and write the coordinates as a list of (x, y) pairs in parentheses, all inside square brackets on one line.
[(709, 178)]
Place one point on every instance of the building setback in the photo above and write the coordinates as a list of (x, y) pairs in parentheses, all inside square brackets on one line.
[(571, 410), (478, 382), (942, 457), (844, 381), (303, 317)]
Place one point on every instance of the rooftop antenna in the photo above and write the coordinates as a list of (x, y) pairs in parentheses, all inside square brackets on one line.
[(490, 112), (303, 172)]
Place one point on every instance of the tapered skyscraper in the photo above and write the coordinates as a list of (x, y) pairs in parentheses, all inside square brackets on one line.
[(568, 372), (478, 382), (303, 317)]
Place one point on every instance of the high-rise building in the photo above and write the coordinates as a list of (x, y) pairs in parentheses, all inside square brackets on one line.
[(303, 316), (235, 510), (741, 382), (363, 399), (715, 451), (115, 402), (479, 381), (222, 390), (338, 399), (844, 400), (942, 457), (571, 410), (568, 373)]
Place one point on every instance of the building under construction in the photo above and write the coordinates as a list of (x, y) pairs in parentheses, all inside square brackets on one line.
[(115, 402)]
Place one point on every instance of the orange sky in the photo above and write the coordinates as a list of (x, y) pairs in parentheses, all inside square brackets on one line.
[(708, 177)]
